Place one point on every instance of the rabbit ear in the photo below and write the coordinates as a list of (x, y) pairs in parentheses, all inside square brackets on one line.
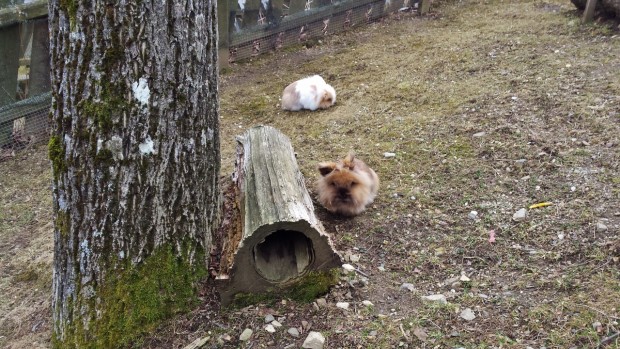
[(349, 160), (326, 168)]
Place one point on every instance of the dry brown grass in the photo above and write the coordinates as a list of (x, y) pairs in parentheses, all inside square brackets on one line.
[(543, 89)]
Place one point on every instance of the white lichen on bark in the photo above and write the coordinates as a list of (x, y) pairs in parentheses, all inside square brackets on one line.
[(147, 147), (141, 91)]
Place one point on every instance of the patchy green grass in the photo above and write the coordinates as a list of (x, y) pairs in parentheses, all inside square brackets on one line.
[(489, 106)]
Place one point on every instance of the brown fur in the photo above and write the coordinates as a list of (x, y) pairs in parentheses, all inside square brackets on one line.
[(290, 96), (326, 101), (346, 187)]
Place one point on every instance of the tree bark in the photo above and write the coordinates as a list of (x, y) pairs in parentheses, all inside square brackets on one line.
[(610, 8), (274, 243), (135, 157)]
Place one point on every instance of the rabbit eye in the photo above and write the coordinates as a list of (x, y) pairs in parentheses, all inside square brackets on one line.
[(353, 184), (332, 184)]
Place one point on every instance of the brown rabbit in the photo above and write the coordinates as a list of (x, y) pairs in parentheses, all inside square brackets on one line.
[(346, 187)]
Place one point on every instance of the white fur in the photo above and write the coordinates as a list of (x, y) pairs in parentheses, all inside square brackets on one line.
[(307, 94)]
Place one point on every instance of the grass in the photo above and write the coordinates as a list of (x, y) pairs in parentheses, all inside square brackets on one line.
[(542, 88), (25, 249)]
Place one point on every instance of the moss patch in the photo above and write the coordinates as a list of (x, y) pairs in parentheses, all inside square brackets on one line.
[(70, 6), (56, 152), (135, 299), (306, 289)]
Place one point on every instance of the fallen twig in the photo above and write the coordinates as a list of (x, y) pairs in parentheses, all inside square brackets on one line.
[(403, 331), (361, 273), (608, 339)]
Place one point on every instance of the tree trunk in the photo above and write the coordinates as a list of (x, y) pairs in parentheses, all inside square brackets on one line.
[(609, 8), (135, 157)]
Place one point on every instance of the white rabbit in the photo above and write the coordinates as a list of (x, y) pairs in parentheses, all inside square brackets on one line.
[(309, 93)]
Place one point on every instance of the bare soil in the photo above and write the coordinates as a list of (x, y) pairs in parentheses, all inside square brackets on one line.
[(490, 106)]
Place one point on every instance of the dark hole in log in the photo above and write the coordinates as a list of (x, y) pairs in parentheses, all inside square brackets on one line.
[(283, 255)]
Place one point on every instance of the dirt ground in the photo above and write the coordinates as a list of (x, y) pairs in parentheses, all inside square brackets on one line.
[(489, 106)]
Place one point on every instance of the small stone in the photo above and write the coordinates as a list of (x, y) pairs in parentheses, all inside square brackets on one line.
[(464, 278), (407, 286), (198, 343), (315, 340), (226, 338), (573, 188), (373, 333), (479, 134), (305, 324), (601, 227), (245, 335), (293, 332), (342, 305), (519, 215), (348, 267), (367, 303), (269, 328), (355, 258), (269, 318), (420, 333), (389, 155), (321, 302), (473, 215), (440, 298), (467, 314), (451, 280), (275, 323), (381, 268)]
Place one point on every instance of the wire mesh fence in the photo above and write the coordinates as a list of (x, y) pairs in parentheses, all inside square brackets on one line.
[(263, 26), (247, 28), (24, 78), (24, 123)]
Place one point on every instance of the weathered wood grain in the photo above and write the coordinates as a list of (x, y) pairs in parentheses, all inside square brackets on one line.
[(281, 239)]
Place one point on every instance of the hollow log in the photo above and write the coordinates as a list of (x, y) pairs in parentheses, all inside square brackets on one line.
[(275, 242)]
